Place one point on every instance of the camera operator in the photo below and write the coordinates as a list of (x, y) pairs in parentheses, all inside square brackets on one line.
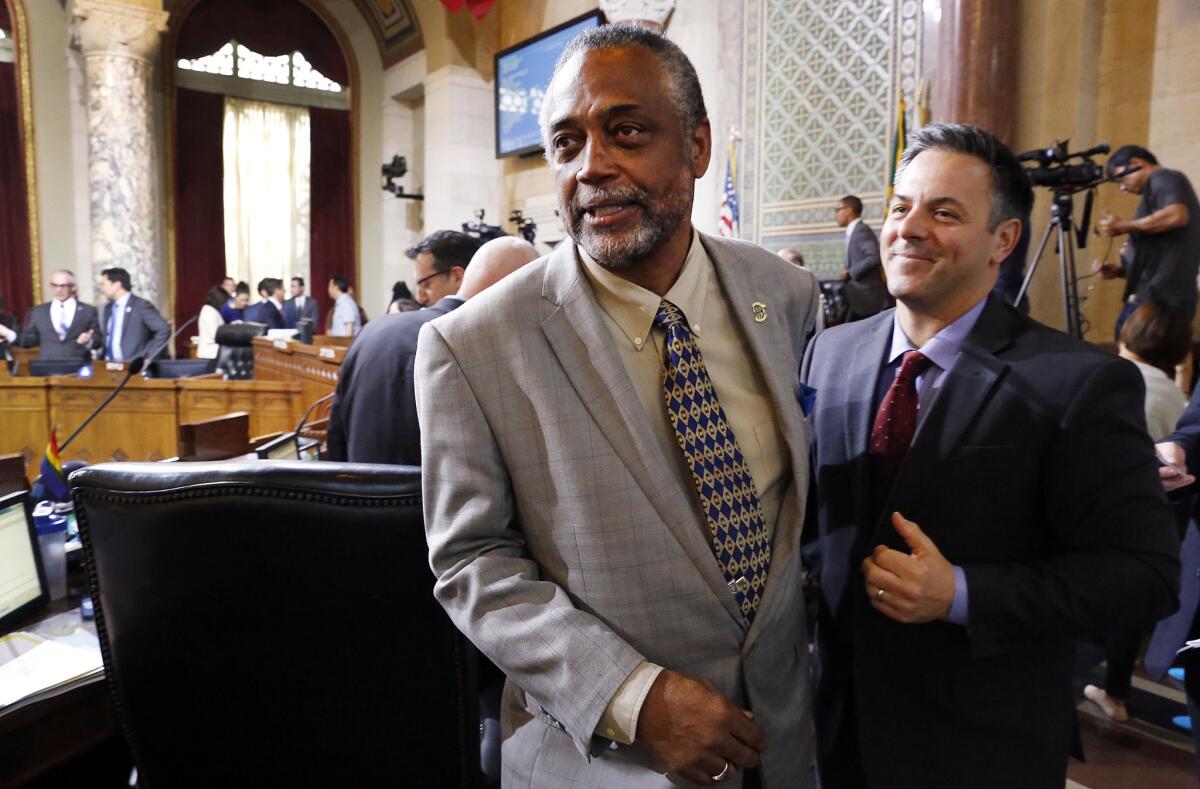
[(1164, 249)]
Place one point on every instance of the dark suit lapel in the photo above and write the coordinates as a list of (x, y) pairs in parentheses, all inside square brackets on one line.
[(581, 341), (77, 323), (866, 365), (964, 392)]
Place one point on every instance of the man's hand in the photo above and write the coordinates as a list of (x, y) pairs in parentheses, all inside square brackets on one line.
[(1112, 225), (918, 586), (1106, 270), (845, 275), (7, 334), (1173, 471), (692, 730), (84, 337)]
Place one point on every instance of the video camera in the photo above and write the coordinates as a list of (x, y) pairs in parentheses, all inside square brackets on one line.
[(1053, 169)]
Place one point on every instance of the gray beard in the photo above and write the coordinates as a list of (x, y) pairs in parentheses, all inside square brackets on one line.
[(622, 251)]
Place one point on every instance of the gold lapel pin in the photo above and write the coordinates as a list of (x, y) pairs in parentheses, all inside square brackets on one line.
[(760, 311)]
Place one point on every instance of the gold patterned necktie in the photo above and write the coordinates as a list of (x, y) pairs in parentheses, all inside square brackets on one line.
[(727, 494)]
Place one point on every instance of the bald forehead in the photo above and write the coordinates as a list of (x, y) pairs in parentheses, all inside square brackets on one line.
[(612, 76)]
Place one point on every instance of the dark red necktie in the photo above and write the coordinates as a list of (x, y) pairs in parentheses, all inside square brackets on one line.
[(896, 422)]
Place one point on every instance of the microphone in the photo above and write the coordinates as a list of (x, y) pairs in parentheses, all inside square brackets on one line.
[(133, 369)]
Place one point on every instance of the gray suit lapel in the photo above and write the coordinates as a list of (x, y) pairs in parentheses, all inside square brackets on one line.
[(582, 343), (866, 365)]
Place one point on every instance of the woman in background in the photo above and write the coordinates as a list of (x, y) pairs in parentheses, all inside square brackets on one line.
[(210, 321), (231, 313), (402, 299)]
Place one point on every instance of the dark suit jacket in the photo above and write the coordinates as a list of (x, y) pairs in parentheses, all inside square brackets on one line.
[(866, 293), (40, 331), (264, 312), (292, 316), (1031, 470), (374, 415), (143, 331)]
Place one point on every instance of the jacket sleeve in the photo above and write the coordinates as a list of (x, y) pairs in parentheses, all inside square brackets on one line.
[(159, 329), (1187, 431), (865, 257), (1114, 562), (565, 658), (29, 337)]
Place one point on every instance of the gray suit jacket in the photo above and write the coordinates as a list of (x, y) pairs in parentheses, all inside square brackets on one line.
[(564, 546), (292, 316), (144, 330), (866, 293), (41, 332)]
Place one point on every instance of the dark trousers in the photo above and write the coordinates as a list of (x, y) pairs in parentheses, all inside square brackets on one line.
[(1120, 653)]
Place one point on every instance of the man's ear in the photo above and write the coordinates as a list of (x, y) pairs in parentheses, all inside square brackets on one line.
[(1006, 236), (701, 148)]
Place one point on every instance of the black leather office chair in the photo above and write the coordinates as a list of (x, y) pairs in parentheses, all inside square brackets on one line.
[(272, 623), (235, 349)]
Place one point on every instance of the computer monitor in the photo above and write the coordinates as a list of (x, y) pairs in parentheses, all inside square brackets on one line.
[(289, 446), (22, 580), (306, 328), (43, 367)]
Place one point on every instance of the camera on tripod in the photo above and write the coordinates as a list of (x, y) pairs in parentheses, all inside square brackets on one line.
[(1055, 170)]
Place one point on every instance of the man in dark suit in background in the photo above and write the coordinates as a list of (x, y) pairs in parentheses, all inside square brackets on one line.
[(132, 326), (866, 293), (270, 309), (374, 415), (64, 327), (300, 306), (982, 500)]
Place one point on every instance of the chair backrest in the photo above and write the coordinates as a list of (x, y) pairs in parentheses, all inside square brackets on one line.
[(235, 351), (272, 623)]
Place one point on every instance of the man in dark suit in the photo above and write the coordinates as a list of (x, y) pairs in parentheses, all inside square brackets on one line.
[(270, 309), (982, 500), (132, 326), (64, 327), (865, 291), (374, 415), (300, 306)]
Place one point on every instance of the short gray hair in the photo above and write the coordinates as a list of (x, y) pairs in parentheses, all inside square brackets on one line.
[(682, 83), (68, 272)]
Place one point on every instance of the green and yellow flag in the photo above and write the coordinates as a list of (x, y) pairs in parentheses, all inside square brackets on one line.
[(897, 149)]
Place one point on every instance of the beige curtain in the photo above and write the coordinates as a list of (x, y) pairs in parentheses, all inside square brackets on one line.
[(266, 151)]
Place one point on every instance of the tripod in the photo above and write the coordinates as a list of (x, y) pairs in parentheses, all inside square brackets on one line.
[(1060, 221)]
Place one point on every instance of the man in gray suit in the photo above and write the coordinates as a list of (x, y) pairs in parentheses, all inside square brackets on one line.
[(132, 327), (866, 293), (615, 462), (64, 327), (300, 306)]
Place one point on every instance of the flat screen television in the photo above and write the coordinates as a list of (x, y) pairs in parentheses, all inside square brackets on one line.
[(523, 72)]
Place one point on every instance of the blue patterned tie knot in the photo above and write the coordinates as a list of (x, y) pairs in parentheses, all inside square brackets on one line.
[(719, 470)]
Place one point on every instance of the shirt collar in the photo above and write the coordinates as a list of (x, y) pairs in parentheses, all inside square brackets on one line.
[(853, 224), (62, 305), (121, 302), (633, 307), (275, 301), (944, 346)]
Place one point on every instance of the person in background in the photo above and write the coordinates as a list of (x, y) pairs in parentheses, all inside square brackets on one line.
[(229, 287), (132, 326), (865, 290), (439, 262), (8, 324), (402, 299), (210, 321), (300, 306), (270, 309), (234, 311), (792, 256), (347, 319), (64, 327)]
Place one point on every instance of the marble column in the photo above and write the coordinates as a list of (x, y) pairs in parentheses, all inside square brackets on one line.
[(977, 66), (118, 41), (647, 13)]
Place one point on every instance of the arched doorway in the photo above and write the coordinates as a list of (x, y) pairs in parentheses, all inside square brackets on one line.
[(271, 31)]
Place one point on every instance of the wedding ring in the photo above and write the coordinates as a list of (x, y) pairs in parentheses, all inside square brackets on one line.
[(878, 593), (721, 776)]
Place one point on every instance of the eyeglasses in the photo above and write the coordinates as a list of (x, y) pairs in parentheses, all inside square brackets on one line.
[(420, 283), (60, 284)]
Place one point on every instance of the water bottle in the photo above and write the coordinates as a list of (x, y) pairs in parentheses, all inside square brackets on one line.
[(52, 540)]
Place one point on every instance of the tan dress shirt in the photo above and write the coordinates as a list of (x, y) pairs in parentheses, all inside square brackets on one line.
[(629, 311)]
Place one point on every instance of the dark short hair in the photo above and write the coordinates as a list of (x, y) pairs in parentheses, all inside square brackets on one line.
[(853, 203), (400, 291), (269, 284), (299, 279), (449, 248), (1012, 196), (216, 296), (1159, 333), (226, 278), (683, 84), (1121, 156), (241, 287), (340, 282), (118, 275)]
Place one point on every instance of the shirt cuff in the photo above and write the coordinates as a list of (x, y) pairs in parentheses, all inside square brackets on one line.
[(958, 606), (7, 334), (619, 721)]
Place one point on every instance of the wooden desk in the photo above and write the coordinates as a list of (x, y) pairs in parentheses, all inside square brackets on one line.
[(23, 355), (142, 423), (314, 368)]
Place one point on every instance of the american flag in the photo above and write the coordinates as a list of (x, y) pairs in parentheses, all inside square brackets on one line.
[(727, 224)]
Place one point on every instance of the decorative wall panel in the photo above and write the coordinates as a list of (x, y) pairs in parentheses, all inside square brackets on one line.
[(821, 85)]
